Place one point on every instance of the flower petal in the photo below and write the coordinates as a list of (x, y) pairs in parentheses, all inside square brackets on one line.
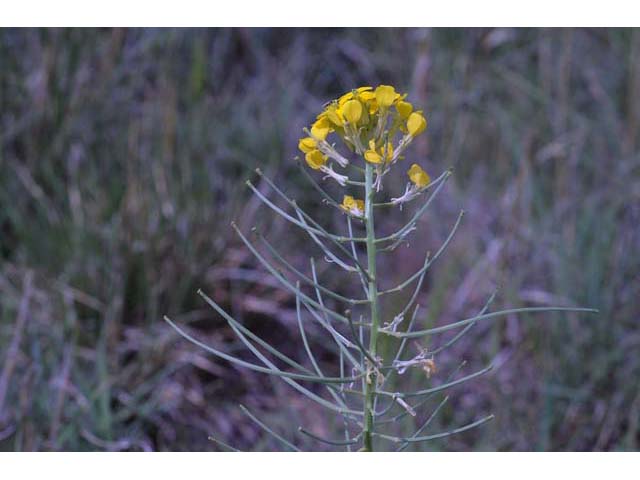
[(306, 144), (372, 156), (385, 95), (416, 124), (315, 159), (352, 111), (404, 109), (321, 128)]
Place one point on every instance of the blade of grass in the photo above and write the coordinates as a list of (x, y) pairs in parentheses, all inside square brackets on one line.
[(254, 337), (267, 429), (425, 424), (284, 281), (254, 367), (349, 441), (460, 334), (486, 316), (291, 219), (312, 358), (330, 255), (306, 392), (223, 445), (399, 234), (437, 435), (303, 277), (425, 399), (338, 338), (439, 388), (428, 262), (316, 225)]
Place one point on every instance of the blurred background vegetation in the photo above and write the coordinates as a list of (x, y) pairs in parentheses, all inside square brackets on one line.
[(122, 160)]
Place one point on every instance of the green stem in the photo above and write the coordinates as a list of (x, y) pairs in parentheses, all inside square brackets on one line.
[(371, 380)]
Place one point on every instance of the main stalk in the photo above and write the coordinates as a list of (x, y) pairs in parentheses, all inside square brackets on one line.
[(371, 378)]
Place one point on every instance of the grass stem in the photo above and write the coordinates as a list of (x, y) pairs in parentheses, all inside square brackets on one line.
[(371, 380)]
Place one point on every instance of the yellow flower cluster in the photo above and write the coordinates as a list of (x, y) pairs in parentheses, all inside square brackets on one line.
[(367, 120)]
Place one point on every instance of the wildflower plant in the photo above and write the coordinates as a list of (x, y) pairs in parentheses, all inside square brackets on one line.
[(356, 141)]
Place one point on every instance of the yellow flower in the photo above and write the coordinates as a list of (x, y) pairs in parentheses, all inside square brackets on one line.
[(386, 95), (352, 205), (315, 159), (306, 144), (404, 109), (321, 128), (361, 93), (416, 124), (347, 202), (376, 156), (334, 114), (367, 96), (371, 155), (418, 176), (352, 111)]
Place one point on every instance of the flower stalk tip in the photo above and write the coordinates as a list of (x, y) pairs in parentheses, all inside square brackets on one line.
[(366, 119)]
